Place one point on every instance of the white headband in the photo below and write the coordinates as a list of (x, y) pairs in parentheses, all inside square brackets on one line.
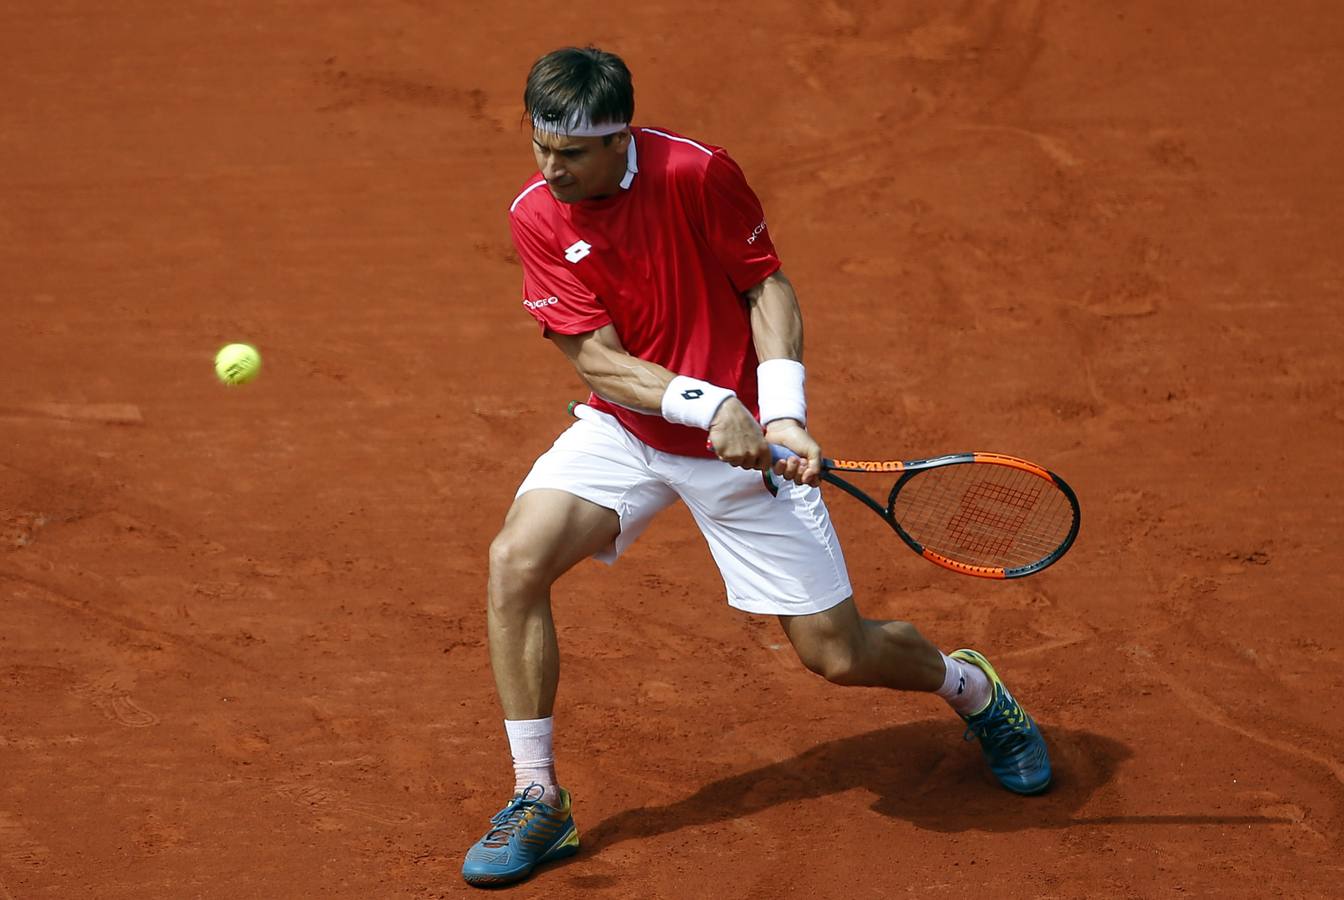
[(578, 125)]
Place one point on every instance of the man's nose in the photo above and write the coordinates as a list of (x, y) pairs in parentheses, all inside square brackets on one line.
[(552, 168)]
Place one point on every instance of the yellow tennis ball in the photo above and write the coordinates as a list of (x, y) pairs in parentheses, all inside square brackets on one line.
[(237, 363)]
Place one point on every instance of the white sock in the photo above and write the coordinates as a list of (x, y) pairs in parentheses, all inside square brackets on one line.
[(533, 758), (965, 687)]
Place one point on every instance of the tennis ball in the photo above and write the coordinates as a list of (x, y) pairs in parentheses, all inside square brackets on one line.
[(237, 363)]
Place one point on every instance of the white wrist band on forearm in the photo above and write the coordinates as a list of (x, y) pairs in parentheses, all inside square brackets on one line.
[(690, 401), (779, 385)]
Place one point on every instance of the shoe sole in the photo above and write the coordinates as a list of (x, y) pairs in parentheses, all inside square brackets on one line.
[(1034, 792), (568, 846)]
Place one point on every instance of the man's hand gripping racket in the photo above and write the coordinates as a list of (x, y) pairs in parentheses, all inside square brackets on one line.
[(983, 514)]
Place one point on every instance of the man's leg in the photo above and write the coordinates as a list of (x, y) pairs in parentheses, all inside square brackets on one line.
[(545, 534), (846, 649), (843, 648)]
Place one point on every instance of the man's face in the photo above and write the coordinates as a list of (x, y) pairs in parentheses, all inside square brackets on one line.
[(580, 168)]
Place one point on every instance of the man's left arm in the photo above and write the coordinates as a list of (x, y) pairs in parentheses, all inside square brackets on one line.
[(777, 332)]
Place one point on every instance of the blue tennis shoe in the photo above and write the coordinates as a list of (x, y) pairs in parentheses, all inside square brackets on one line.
[(522, 836), (1008, 736)]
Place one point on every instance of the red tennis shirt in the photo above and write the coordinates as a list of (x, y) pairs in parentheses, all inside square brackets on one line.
[(665, 260)]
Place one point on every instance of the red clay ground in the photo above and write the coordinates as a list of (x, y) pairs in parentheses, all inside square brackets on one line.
[(241, 649)]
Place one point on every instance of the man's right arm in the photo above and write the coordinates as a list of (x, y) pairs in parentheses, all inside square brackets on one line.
[(613, 374)]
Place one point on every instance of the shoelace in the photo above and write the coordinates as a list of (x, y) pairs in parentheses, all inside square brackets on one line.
[(512, 817)]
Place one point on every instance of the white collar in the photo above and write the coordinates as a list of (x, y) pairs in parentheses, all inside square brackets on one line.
[(631, 164)]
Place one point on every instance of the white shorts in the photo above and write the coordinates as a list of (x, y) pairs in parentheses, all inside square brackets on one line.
[(778, 554)]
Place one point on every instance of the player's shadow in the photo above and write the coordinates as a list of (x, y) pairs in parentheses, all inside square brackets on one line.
[(920, 772)]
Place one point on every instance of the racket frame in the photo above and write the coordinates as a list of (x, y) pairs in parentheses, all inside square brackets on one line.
[(910, 468)]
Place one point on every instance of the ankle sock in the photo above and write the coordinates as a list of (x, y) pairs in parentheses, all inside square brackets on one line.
[(533, 758), (966, 688)]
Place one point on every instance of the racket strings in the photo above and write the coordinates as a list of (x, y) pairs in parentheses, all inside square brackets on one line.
[(984, 514)]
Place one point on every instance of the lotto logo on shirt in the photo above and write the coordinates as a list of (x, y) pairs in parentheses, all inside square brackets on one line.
[(544, 301), (756, 232), (578, 250)]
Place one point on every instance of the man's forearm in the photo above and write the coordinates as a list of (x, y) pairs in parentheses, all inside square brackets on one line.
[(625, 380)]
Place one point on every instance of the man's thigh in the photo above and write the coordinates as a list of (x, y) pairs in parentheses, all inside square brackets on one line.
[(595, 460), (548, 531)]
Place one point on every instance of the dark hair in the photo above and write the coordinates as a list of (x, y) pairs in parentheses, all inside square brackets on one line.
[(585, 80)]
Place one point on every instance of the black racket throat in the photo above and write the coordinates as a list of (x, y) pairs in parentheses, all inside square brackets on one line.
[(884, 511)]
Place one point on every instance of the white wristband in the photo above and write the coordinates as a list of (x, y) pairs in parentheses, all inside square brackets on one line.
[(690, 401), (779, 384)]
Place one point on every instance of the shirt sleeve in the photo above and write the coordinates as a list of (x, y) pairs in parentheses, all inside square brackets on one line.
[(555, 297), (735, 224)]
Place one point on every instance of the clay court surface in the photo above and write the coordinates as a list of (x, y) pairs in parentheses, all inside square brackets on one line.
[(241, 630)]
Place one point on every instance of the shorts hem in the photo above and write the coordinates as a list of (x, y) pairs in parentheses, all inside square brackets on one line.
[(760, 607)]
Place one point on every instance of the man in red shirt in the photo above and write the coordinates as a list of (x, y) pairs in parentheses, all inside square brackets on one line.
[(647, 261)]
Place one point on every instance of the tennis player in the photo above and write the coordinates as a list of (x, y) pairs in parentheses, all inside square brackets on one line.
[(648, 262)]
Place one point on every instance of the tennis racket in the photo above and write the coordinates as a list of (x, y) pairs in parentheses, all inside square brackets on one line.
[(982, 514)]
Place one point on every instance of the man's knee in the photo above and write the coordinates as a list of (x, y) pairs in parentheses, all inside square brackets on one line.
[(837, 664), (545, 533), (834, 657), (517, 561), (829, 643)]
